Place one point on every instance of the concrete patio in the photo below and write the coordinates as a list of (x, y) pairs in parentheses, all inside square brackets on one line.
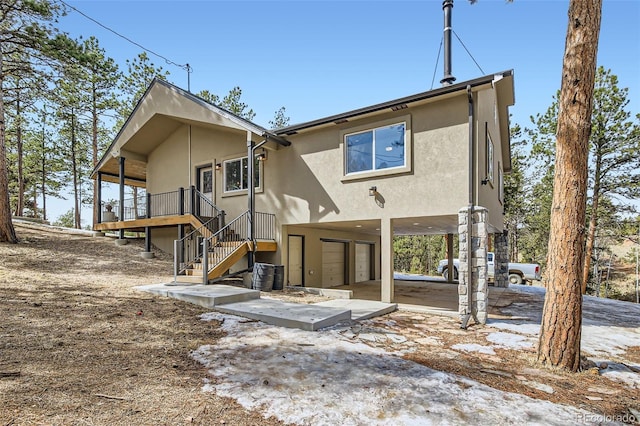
[(247, 303)]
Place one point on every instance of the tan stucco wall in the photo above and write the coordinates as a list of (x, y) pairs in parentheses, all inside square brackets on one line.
[(313, 238), (305, 182), (488, 121), (163, 238), (167, 168)]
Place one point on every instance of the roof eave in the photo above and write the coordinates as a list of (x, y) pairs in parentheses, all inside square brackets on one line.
[(393, 104)]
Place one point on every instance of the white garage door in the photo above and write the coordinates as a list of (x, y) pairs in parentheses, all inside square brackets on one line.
[(332, 264), (363, 262)]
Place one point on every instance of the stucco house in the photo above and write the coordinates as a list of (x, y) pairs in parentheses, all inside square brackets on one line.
[(329, 195)]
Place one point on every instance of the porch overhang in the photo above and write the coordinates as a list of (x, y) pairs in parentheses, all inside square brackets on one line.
[(162, 110)]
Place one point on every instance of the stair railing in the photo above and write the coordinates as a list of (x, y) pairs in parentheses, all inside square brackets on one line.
[(221, 244), (203, 208)]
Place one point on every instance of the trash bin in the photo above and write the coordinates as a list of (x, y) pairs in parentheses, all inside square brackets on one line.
[(262, 277), (278, 277)]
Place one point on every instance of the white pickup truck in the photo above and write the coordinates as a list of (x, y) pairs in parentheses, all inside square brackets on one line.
[(518, 272)]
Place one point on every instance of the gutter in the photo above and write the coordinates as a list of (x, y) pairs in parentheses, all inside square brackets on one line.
[(472, 172)]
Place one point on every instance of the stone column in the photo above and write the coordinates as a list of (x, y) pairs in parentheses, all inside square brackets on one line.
[(501, 259), (473, 296)]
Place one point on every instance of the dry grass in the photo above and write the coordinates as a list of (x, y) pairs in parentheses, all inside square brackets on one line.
[(78, 345)]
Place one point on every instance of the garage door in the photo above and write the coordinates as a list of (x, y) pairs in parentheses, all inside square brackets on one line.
[(332, 264), (363, 262)]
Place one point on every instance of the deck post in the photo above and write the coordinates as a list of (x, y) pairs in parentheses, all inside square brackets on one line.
[(147, 239), (99, 198), (194, 209), (148, 206), (179, 254), (181, 201), (176, 260), (205, 261), (121, 206)]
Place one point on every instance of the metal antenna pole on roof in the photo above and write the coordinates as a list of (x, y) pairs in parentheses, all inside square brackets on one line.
[(188, 68), (447, 6)]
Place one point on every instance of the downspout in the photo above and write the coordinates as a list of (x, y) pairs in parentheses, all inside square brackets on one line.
[(472, 173), (251, 149)]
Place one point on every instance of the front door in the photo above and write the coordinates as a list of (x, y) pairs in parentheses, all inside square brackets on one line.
[(205, 181), (204, 184), (296, 263)]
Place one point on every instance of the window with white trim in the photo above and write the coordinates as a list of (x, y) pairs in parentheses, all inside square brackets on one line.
[(235, 174), (376, 149)]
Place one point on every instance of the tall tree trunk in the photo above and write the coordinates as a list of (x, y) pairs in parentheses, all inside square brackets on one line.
[(7, 232), (96, 207), (44, 168), (20, 200), (560, 330), (593, 225), (74, 168)]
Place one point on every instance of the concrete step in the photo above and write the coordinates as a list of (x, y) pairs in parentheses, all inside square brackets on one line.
[(208, 296), (361, 309), (285, 314)]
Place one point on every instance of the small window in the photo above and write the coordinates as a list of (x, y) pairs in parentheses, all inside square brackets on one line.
[(235, 174), (207, 181), (376, 149), (489, 162)]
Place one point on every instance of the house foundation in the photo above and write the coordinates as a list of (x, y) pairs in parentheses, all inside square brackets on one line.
[(473, 293)]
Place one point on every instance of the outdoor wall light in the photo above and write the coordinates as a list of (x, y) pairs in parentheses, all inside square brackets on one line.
[(262, 156), (218, 166), (373, 191)]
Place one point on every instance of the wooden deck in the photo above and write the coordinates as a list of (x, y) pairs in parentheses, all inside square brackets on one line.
[(140, 224)]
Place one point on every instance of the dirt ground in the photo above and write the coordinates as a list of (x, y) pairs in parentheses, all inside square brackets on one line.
[(78, 345)]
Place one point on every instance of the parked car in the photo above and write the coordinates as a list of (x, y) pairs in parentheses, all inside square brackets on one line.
[(518, 272)]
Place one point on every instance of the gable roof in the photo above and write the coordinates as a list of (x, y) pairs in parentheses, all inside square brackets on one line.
[(209, 113)]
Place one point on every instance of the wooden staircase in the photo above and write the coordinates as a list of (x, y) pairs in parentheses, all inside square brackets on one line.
[(222, 257), (225, 247)]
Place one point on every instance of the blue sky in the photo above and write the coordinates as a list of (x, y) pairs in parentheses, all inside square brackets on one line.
[(319, 58)]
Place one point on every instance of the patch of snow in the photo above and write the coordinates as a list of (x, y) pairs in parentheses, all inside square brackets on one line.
[(622, 374), (416, 277), (540, 386), (523, 288), (324, 378), (473, 347), (609, 329), (511, 341)]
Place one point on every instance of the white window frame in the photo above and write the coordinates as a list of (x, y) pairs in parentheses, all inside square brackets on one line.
[(404, 119), (489, 166), (242, 190)]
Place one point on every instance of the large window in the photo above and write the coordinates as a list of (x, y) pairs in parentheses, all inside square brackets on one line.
[(235, 174), (376, 149)]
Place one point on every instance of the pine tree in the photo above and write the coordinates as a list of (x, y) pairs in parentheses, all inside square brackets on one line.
[(560, 330)]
